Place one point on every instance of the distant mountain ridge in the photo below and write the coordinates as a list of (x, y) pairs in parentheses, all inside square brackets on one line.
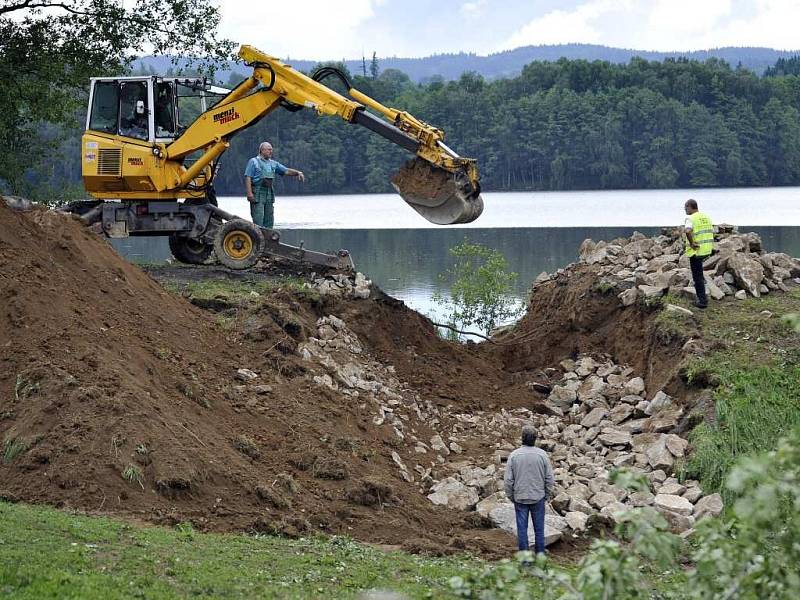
[(510, 62)]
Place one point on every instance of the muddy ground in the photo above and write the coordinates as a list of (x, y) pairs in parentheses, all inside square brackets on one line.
[(126, 398)]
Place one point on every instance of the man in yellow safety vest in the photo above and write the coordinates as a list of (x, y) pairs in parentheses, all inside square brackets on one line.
[(699, 233)]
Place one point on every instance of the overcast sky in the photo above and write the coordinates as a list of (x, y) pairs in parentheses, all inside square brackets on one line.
[(328, 30)]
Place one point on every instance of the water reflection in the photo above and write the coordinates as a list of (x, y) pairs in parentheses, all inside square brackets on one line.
[(406, 262)]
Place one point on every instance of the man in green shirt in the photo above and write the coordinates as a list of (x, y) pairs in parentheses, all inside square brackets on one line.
[(258, 179)]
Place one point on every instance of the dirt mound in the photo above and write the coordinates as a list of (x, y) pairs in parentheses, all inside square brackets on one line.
[(120, 398), (449, 373), (571, 314)]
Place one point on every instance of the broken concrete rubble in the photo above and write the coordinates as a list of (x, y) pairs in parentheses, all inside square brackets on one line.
[(674, 504), (603, 436), (709, 506), (504, 517), (454, 494), (342, 285)]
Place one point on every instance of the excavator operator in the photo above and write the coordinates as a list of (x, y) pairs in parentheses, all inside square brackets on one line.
[(133, 107), (165, 121)]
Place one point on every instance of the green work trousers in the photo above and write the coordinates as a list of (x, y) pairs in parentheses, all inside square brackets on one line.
[(262, 209)]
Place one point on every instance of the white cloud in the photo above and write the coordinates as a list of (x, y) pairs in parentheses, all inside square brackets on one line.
[(313, 29), (323, 30), (474, 9), (562, 26), (666, 25), (773, 25), (686, 17)]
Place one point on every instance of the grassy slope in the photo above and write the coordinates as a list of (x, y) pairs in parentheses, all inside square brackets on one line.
[(756, 370), (45, 553)]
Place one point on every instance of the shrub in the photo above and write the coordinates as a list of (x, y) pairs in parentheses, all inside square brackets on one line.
[(480, 287), (13, 448), (131, 474), (247, 446)]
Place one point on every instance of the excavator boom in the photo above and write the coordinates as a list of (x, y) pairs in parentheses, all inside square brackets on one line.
[(440, 185)]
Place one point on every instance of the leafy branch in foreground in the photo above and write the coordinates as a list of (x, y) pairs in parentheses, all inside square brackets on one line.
[(480, 288), (756, 554)]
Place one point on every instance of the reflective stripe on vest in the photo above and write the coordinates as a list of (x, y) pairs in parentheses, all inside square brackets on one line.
[(703, 235)]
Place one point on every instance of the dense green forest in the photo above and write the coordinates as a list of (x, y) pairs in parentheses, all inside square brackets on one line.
[(569, 124)]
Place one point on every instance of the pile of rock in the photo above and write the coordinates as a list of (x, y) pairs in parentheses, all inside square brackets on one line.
[(602, 419), (344, 367), (641, 267), (345, 286), (17, 203)]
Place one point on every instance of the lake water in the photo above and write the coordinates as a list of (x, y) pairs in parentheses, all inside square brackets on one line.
[(536, 232), (616, 208)]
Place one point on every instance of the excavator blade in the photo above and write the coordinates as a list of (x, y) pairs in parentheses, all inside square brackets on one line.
[(442, 197)]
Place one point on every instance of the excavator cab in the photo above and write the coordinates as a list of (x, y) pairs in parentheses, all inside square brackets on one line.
[(150, 109), (128, 118), (121, 106)]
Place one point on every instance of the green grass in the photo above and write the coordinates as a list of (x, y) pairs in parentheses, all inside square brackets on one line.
[(754, 408), (13, 447), (132, 474), (45, 553), (755, 368), (604, 287)]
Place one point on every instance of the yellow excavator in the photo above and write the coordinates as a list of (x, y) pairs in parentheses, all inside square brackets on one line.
[(151, 148)]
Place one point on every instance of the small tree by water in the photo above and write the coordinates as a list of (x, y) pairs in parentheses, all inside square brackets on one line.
[(480, 287)]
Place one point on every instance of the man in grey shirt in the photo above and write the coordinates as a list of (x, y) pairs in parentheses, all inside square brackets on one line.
[(528, 484)]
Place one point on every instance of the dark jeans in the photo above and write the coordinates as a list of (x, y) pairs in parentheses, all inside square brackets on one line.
[(696, 263), (537, 514)]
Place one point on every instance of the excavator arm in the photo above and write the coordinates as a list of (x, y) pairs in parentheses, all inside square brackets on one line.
[(440, 185)]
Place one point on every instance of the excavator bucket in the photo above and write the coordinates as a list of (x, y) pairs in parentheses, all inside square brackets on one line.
[(442, 197)]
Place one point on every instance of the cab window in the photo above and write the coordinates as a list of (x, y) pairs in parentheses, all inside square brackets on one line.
[(105, 107), (133, 109), (165, 110)]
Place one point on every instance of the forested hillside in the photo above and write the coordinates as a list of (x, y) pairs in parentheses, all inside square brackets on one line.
[(509, 63), (569, 124)]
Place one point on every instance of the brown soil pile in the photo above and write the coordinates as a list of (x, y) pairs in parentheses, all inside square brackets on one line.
[(571, 315), (119, 398), (123, 400), (419, 179), (435, 193), (448, 373)]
